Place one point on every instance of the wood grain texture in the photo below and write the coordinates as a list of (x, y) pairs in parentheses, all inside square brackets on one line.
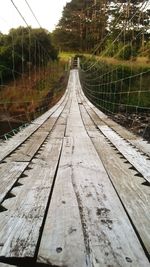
[(134, 196), (27, 151), (77, 204), (62, 241), (6, 265), (9, 174), (20, 224), (108, 235), (134, 157), (135, 140)]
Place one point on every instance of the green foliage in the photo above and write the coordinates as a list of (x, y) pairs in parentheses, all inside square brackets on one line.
[(111, 49), (126, 52), (130, 31), (145, 50), (23, 47), (66, 40), (6, 62), (81, 26), (119, 88)]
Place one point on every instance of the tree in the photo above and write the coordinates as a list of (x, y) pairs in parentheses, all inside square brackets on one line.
[(131, 27), (24, 47), (82, 25), (86, 23)]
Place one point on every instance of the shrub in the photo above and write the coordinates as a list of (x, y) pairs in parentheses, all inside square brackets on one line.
[(127, 52)]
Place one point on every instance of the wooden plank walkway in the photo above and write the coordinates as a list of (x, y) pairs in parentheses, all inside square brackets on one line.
[(74, 190)]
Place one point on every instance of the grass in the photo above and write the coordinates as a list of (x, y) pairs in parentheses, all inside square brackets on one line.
[(131, 92), (66, 55), (26, 94), (139, 62)]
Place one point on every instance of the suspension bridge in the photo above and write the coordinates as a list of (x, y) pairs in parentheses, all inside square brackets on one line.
[(74, 190), (74, 183)]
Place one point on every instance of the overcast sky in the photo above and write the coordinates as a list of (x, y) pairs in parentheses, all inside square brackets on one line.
[(48, 12)]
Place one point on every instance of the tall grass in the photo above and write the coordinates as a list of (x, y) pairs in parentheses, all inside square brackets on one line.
[(26, 94), (116, 85)]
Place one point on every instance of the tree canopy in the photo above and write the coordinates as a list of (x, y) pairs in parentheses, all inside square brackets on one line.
[(86, 23)]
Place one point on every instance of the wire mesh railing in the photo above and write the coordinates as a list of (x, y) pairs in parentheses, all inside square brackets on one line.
[(122, 93)]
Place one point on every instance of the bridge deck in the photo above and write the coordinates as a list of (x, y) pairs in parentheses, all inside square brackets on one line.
[(74, 190)]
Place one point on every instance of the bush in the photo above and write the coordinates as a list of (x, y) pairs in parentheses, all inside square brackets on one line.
[(17, 48), (110, 50), (145, 51), (127, 52)]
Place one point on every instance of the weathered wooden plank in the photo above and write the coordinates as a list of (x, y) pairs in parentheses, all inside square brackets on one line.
[(6, 265), (135, 196), (108, 235), (135, 140), (142, 145), (8, 146), (62, 241), (86, 223), (26, 151), (11, 171), (106, 225), (20, 225), (134, 157), (31, 146), (139, 161), (106, 190), (9, 174)]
